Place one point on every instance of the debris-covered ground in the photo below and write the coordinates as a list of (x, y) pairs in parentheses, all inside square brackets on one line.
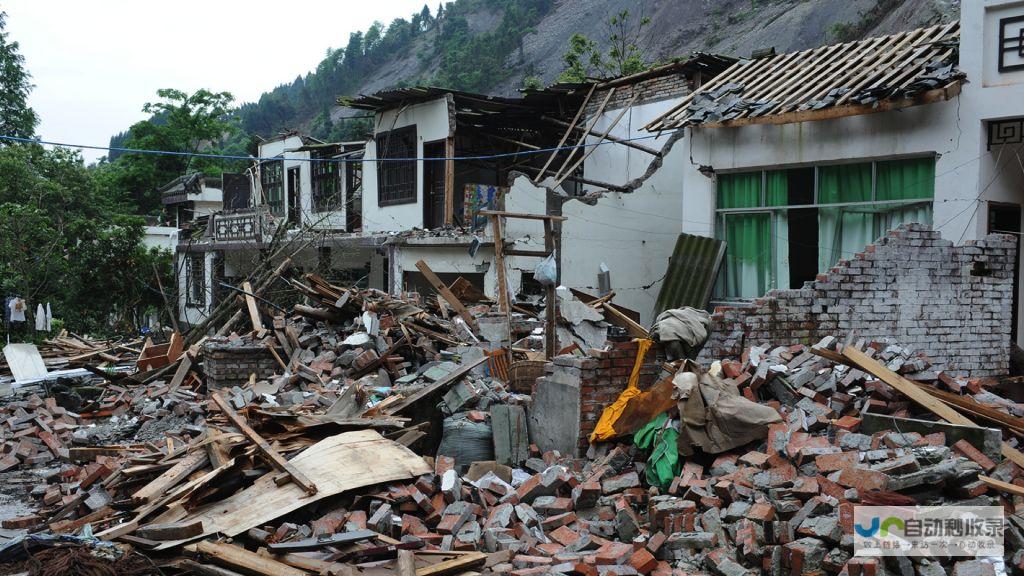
[(368, 434)]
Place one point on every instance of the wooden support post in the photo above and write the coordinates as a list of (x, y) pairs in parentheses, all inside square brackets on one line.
[(499, 262), (447, 294), (276, 459), (449, 181), (551, 300)]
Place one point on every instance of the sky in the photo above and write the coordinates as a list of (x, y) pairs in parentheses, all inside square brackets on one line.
[(95, 64)]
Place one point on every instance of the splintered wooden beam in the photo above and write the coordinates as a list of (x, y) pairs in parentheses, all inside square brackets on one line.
[(459, 564), (447, 294), (249, 562), (171, 478), (254, 312), (275, 458)]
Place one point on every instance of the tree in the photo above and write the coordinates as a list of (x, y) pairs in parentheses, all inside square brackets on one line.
[(425, 18), (624, 56), (182, 123), (16, 118), (584, 60)]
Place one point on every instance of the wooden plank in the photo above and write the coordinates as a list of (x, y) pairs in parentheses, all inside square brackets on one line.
[(346, 461), (193, 567), (462, 563), (522, 215), (171, 531), (250, 303), (276, 459), (445, 293), (171, 478), (910, 390), (550, 298), (451, 378), (1002, 486), (308, 544), (613, 316), (249, 562)]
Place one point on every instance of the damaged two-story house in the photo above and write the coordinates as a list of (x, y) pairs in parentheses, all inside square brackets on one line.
[(575, 150), (801, 161), (300, 193)]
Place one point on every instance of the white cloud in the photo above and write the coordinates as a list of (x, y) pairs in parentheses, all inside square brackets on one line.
[(95, 64)]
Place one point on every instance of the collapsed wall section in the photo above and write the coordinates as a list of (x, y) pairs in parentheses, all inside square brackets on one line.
[(953, 303)]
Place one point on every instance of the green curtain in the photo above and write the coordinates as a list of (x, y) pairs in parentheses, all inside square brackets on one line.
[(912, 179), (777, 194), (742, 190), (748, 255), (843, 231)]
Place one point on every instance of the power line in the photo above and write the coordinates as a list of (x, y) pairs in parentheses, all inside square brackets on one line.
[(335, 160)]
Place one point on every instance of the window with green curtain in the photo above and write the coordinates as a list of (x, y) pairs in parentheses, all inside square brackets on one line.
[(776, 188), (905, 179), (742, 190), (844, 183), (748, 255)]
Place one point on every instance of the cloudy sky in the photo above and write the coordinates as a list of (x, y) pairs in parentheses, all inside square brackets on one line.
[(95, 64)]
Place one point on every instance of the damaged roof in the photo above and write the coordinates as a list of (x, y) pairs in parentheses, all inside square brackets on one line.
[(872, 75)]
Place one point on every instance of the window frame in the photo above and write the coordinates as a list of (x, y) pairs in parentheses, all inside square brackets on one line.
[(325, 182), (720, 226), (269, 183), (397, 143)]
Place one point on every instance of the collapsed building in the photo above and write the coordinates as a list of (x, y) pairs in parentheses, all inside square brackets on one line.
[(378, 378)]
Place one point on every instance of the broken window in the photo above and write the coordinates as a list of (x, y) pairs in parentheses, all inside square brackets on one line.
[(782, 227), (195, 276), (326, 182), (272, 181), (396, 170)]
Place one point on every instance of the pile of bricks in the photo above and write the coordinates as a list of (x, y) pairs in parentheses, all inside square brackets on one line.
[(780, 506)]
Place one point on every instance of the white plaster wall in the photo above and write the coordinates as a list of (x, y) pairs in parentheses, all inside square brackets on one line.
[(632, 233), (447, 259), (162, 237), (431, 120), (273, 149)]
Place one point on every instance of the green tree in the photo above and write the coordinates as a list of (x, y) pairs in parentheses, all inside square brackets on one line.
[(182, 123), (16, 118), (584, 59)]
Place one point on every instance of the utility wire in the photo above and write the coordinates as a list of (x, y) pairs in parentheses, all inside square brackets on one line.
[(335, 160)]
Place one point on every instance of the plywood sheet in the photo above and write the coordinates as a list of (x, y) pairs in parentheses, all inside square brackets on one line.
[(343, 462)]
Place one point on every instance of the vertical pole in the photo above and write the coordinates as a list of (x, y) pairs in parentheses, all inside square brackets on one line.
[(499, 261), (550, 312), (449, 181)]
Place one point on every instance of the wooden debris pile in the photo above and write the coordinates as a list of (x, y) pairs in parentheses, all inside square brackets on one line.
[(68, 350)]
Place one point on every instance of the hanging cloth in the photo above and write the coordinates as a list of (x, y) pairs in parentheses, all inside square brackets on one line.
[(40, 318), (49, 318), (17, 306), (605, 428)]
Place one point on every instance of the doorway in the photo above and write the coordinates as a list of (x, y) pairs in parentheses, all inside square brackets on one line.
[(294, 202), (433, 185), (1004, 218)]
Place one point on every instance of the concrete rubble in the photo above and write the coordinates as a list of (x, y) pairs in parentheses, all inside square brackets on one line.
[(136, 468)]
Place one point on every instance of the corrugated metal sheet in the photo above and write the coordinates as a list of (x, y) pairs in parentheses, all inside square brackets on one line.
[(691, 274)]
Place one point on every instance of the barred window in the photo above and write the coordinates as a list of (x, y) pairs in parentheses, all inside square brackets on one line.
[(326, 182), (272, 179), (396, 180), (195, 276)]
